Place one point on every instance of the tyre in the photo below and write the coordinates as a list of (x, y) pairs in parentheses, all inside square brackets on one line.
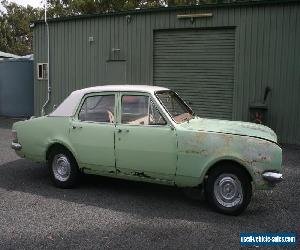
[(63, 168), (228, 189)]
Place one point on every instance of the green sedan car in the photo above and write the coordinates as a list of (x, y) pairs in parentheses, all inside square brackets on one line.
[(148, 133)]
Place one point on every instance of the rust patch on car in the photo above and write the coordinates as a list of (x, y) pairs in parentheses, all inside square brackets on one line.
[(200, 136), (228, 138), (142, 174), (201, 152), (261, 158)]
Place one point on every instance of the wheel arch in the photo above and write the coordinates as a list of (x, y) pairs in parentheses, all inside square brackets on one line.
[(57, 144), (221, 162)]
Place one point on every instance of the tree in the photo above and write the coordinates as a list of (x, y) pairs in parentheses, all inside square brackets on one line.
[(59, 8), (15, 34)]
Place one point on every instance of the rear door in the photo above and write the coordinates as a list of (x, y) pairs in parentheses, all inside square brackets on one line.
[(92, 132)]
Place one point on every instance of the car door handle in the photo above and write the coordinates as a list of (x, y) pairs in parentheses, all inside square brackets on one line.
[(75, 127), (120, 130)]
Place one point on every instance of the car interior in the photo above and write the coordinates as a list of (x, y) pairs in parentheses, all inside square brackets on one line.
[(136, 110), (98, 109)]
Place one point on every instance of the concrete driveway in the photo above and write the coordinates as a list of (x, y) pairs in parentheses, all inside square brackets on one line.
[(107, 213)]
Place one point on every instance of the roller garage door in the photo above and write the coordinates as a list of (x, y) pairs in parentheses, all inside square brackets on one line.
[(199, 66)]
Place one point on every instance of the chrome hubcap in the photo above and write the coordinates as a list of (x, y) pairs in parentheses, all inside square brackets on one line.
[(228, 190), (61, 167)]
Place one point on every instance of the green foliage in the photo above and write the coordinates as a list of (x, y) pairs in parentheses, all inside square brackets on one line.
[(76, 7), (15, 34)]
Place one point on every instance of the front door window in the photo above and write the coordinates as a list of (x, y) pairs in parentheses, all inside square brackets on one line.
[(140, 110)]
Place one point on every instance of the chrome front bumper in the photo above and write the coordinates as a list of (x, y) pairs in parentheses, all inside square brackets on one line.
[(272, 177), (16, 146)]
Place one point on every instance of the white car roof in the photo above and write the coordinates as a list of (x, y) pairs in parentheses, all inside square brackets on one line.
[(69, 105)]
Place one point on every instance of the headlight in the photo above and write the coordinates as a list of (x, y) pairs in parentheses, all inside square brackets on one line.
[(14, 136)]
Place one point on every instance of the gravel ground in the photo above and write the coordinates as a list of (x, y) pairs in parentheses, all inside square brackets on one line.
[(108, 213)]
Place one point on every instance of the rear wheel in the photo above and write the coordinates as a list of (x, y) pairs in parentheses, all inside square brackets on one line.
[(63, 168), (228, 189)]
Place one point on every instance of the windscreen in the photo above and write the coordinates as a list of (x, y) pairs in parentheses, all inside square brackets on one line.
[(175, 106)]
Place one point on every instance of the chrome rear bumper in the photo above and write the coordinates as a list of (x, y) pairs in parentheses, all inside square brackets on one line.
[(16, 146), (272, 177)]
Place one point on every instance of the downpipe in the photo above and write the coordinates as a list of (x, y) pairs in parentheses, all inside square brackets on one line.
[(48, 63)]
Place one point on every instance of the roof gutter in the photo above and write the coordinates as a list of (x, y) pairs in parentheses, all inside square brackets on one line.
[(48, 62)]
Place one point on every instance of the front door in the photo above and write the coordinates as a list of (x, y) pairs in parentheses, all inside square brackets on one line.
[(92, 133), (146, 146)]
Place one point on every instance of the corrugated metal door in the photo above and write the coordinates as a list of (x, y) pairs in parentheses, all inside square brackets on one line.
[(199, 66)]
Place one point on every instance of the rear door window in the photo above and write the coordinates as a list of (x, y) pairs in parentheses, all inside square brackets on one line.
[(99, 108)]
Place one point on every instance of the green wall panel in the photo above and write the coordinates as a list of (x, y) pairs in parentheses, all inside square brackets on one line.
[(267, 53)]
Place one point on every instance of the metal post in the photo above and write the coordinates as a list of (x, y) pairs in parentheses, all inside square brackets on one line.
[(48, 63)]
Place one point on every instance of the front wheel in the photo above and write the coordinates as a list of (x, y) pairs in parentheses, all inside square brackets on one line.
[(63, 168), (228, 189)]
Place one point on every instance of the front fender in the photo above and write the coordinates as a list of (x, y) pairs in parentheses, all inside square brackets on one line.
[(198, 151)]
